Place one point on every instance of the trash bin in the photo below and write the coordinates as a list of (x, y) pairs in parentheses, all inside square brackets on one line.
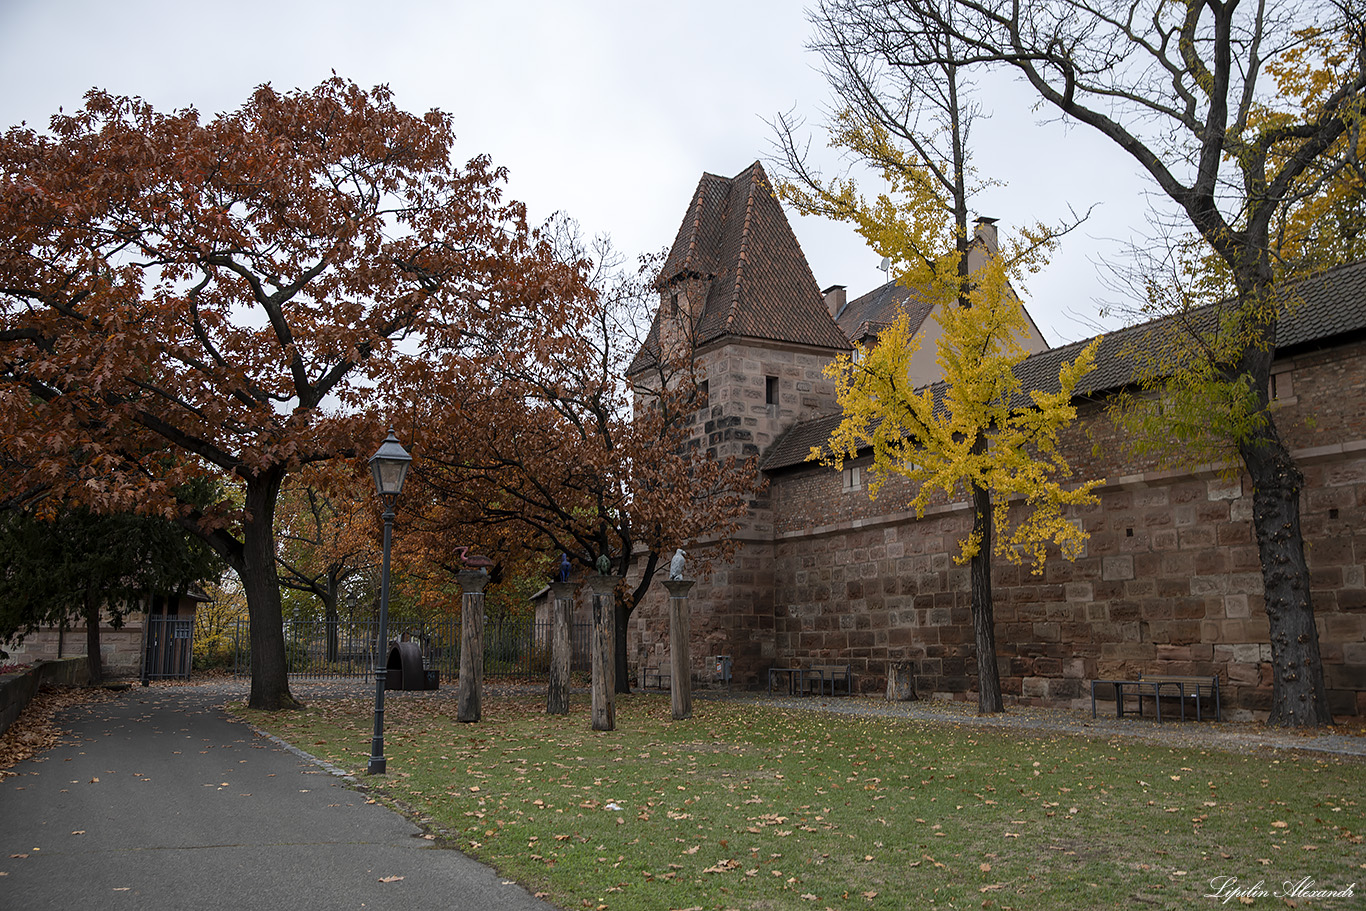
[(723, 663)]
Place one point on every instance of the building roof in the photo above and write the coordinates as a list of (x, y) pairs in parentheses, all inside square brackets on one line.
[(735, 237), (879, 308), (1320, 310)]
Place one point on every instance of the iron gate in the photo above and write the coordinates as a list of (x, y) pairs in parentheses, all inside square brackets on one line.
[(168, 644)]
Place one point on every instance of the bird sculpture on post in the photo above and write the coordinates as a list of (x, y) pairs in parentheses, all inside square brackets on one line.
[(677, 564), (604, 565), (473, 562)]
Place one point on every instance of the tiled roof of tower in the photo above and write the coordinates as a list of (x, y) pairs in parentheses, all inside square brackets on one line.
[(1322, 308), (878, 309), (761, 287)]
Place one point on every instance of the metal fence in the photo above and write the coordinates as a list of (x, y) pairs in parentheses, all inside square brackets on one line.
[(320, 649)]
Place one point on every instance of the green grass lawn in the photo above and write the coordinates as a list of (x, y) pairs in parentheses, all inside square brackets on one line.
[(750, 807)]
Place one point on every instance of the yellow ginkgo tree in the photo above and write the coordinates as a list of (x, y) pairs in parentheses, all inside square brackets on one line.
[(906, 115), (978, 434)]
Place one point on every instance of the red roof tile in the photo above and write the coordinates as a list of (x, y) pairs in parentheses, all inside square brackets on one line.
[(736, 237)]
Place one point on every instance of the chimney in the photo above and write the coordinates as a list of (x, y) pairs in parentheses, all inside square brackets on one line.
[(835, 298), (984, 243), (985, 231)]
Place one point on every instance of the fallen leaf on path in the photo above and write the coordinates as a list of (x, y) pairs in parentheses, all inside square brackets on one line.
[(33, 732), (390, 879)]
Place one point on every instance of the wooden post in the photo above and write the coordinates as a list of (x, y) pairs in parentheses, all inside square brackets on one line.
[(561, 605), (469, 697), (604, 664), (901, 681), (680, 648)]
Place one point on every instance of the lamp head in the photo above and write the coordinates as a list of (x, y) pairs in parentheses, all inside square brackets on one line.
[(389, 465)]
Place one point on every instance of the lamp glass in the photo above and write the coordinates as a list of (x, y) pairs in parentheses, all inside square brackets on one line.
[(389, 465)]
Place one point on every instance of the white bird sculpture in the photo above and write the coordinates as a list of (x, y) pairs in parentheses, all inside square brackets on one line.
[(676, 565)]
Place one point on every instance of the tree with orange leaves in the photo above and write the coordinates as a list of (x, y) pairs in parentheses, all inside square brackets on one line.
[(539, 440), (325, 523), (182, 297)]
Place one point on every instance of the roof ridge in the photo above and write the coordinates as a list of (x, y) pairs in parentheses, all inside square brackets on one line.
[(741, 259), (690, 261)]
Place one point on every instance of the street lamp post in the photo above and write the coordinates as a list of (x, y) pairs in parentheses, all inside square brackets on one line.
[(389, 465)]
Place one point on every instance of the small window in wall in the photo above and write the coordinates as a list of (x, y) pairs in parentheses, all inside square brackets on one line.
[(1282, 386), (852, 477), (771, 390), (673, 305), (703, 394)]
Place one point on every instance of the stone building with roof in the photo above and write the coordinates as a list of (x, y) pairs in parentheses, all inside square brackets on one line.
[(1170, 581)]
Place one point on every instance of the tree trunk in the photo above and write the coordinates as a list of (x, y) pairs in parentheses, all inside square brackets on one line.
[(621, 620), (1297, 691), (261, 585), (94, 661), (901, 681), (331, 621), (983, 614)]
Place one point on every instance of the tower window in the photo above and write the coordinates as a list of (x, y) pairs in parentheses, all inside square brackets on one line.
[(673, 305), (771, 390), (852, 478), (703, 394)]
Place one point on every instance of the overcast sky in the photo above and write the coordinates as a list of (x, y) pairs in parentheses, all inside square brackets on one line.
[(609, 111)]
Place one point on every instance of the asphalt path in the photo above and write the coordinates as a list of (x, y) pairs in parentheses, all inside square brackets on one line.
[(161, 800)]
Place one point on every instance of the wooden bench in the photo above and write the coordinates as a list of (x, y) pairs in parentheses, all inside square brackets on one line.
[(1156, 686), (661, 678), (1199, 688)]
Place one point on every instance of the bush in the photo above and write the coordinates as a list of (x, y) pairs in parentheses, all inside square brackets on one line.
[(212, 652)]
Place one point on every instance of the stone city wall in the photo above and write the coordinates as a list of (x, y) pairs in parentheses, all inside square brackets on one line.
[(1169, 582)]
